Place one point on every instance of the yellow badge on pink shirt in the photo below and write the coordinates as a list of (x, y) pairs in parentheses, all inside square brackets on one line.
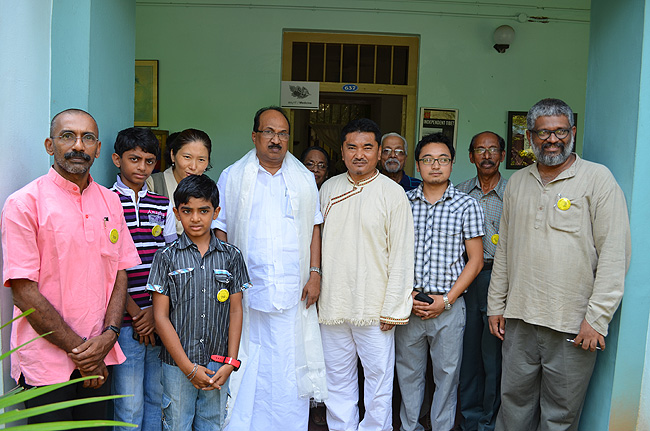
[(114, 236)]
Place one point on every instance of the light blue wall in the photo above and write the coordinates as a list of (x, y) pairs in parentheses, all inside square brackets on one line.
[(93, 68), (24, 112), (617, 127), (57, 55), (220, 62)]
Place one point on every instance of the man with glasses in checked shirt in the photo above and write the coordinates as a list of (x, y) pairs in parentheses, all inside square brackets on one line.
[(447, 223)]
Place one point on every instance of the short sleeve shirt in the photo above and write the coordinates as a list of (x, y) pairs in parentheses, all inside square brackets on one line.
[(199, 290), (441, 229), (72, 244)]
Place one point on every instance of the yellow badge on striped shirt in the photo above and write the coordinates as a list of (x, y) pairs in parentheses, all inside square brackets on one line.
[(222, 295)]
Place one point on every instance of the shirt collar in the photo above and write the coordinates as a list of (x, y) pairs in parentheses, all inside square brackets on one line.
[(66, 184), (362, 182), (185, 242), (499, 189), (261, 168), (449, 193), (125, 190), (567, 173)]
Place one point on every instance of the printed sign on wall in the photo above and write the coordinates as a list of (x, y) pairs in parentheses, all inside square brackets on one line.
[(299, 94)]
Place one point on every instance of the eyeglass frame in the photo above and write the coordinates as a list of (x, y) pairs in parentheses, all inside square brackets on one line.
[(270, 134), (551, 132), (76, 138), (434, 160), (389, 151), (320, 166), (492, 150)]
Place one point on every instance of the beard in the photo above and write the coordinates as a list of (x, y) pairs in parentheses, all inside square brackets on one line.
[(392, 165), (547, 160)]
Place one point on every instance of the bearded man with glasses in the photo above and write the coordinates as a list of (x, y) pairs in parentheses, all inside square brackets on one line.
[(558, 275), (394, 149)]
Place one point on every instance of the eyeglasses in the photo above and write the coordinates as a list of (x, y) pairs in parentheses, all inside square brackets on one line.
[(320, 166), (69, 138), (388, 152), (545, 134), (443, 161), (269, 134), (492, 150)]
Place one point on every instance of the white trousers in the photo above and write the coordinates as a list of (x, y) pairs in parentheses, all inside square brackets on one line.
[(342, 345)]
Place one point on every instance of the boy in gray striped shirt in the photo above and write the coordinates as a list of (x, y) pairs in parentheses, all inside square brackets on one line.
[(197, 283)]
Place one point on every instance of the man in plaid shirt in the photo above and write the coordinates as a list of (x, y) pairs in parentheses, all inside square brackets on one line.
[(447, 223)]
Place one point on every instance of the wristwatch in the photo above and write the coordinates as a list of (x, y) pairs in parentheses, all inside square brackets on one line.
[(112, 328), (446, 301), (316, 270), (236, 363)]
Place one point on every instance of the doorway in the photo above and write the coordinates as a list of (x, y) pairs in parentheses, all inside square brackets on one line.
[(383, 71), (322, 127)]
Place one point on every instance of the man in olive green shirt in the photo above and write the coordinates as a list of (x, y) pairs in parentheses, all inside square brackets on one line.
[(558, 275)]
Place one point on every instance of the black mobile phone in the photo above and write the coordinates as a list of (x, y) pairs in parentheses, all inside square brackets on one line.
[(421, 296)]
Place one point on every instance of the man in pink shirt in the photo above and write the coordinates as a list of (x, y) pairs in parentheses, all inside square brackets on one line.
[(65, 248)]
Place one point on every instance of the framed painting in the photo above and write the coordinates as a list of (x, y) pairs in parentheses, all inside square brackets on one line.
[(517, 146), (146, 93), (518, 151), (162, 136)]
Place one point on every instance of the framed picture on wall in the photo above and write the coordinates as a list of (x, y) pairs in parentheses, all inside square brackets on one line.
[(518, 151), (162, 136), (146, 93), (517, 146), (437, 120)]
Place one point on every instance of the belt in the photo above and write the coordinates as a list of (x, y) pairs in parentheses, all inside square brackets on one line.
[(487, 264)]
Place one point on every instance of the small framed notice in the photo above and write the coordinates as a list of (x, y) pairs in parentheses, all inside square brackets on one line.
[(436, 120), (299, 94)]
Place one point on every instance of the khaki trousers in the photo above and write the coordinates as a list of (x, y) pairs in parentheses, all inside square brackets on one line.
[(544, 380)]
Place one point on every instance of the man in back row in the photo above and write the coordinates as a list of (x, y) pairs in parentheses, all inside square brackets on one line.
[(558, 275), (394, 150), (480, 372)]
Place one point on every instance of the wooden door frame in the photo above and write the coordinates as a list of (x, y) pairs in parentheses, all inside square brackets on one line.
[(408, 91)]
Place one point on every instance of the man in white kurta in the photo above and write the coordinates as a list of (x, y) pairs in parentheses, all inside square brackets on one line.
[(367, 281), (270, 211)]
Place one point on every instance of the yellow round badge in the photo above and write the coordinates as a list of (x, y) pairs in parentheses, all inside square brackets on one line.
[(114, 236), (564, 204), (156, 230), (223, 295), (495, 238)]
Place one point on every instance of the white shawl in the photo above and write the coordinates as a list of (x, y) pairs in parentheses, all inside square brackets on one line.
[(303, 195)]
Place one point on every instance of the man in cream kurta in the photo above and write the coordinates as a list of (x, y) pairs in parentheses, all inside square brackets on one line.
[(558, 275), (270, 211), (367, 281)]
